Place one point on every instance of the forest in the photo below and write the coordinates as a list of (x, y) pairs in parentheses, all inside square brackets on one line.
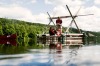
[(27, 31)]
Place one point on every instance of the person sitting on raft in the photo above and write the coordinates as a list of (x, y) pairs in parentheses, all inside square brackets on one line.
[(52, 31)]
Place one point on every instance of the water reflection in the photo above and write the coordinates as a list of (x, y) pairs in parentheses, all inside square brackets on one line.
[(72, 55), (9, 49), (5, 58), (23, 56)]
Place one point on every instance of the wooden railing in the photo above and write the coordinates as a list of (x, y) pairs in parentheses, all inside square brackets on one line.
[(68, 39)]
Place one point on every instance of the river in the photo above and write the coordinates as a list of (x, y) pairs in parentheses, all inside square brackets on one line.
[(83, 56)]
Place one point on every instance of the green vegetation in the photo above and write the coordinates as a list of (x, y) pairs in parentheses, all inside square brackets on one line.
[(26, 31), (90, 36)]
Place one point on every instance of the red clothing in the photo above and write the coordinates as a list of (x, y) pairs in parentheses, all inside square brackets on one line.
[(52, 32), (58, 21)]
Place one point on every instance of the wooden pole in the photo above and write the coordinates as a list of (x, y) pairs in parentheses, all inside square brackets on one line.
[(73, 19), (50, 19)]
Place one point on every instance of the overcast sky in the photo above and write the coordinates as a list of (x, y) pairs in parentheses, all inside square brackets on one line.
[(35, 11)]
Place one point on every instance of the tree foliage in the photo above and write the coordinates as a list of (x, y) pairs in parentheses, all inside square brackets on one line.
[(28, 30), (24, 30)]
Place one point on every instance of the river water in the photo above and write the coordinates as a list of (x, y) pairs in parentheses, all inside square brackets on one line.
[(83, 56)]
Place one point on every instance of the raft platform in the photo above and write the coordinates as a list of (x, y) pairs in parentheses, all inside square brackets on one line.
[(64, 39)]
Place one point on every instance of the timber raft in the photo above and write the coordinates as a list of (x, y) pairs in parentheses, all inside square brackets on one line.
[(65, 37)]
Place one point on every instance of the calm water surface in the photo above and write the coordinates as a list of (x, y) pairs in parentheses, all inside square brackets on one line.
[(84, 56)]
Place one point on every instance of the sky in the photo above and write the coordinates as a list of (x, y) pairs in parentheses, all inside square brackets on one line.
[(35, 11)]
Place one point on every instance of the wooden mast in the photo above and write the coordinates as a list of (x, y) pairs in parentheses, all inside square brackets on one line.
[(73, 19)]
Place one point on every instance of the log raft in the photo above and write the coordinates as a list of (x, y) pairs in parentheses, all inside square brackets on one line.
[(64, 39)]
